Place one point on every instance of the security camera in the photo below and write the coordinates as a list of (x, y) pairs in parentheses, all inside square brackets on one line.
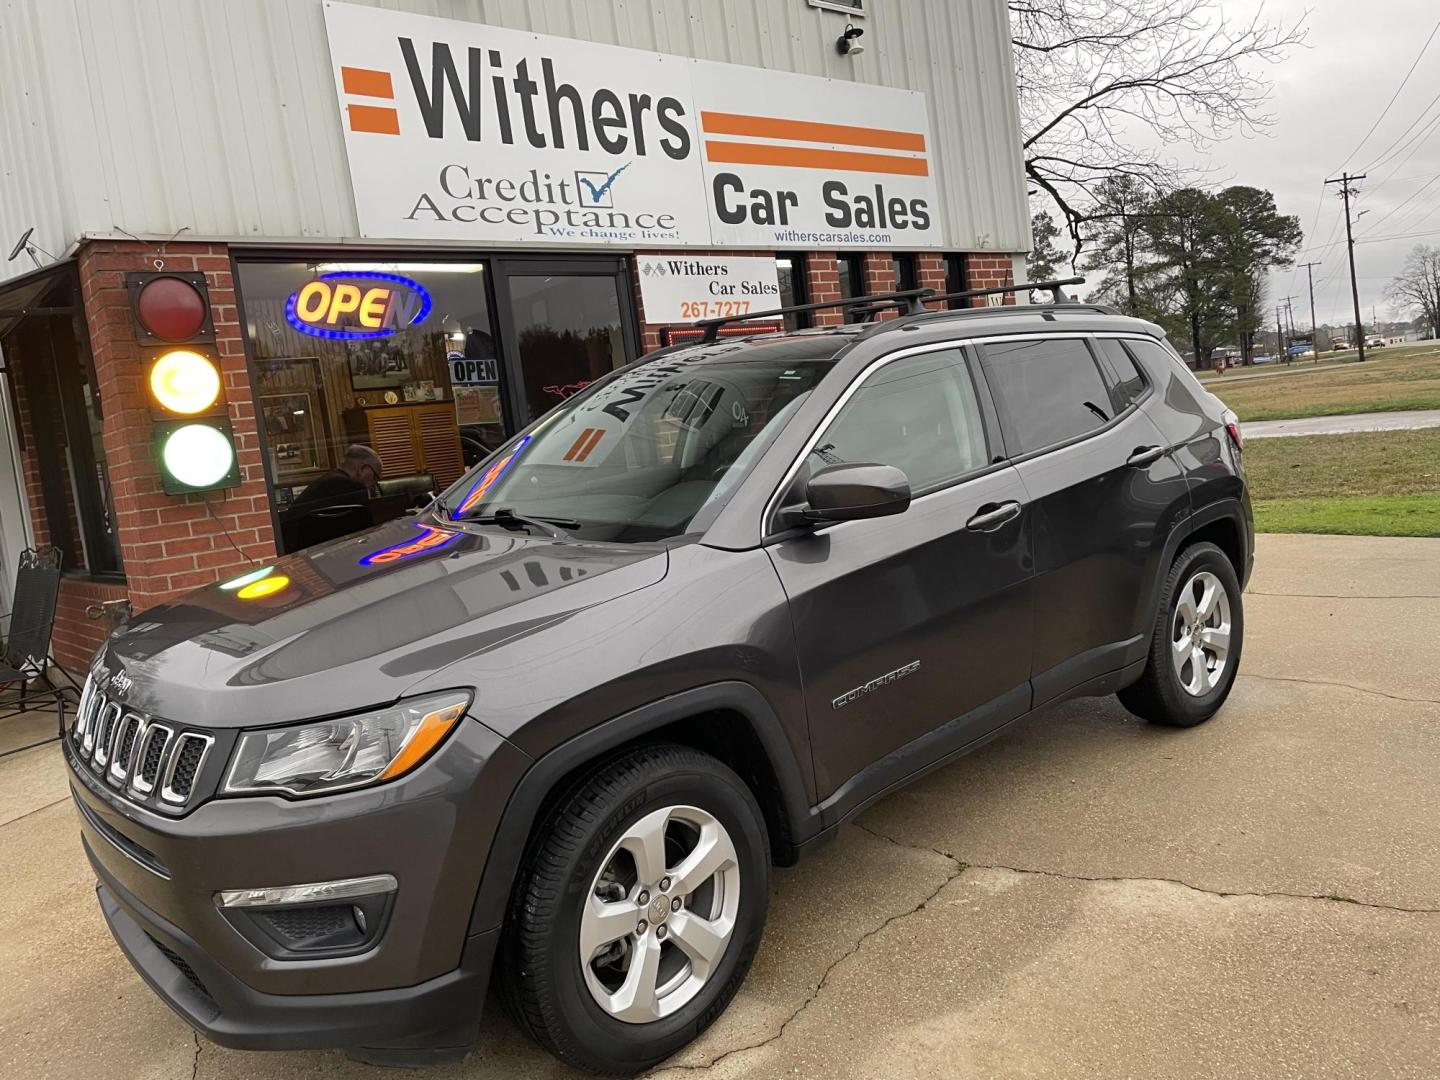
[(846, 45)]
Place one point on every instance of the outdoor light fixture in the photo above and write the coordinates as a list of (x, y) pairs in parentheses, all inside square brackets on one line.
[(846, 45), (191, 433)]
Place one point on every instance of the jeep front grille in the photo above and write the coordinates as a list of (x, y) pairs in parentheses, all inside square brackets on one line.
[(140, 756)]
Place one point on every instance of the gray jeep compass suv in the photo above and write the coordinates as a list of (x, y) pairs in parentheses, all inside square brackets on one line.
[(556, 729)]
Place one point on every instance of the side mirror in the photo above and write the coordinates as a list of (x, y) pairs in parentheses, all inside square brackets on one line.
[(853, 491)]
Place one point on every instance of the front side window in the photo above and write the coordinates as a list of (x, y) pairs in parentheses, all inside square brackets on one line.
[(919, 414), (638, 457), (1049, 390)]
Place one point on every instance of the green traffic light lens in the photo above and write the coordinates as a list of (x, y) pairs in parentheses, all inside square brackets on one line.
[(198, 455)]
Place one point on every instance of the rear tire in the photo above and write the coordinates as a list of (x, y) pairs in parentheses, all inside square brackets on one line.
[(1195, 643), (640, 910)]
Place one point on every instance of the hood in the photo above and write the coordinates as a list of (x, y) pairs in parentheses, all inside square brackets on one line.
[(359, 621)]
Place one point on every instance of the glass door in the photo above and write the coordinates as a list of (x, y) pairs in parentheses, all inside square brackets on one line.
[(563, 324)]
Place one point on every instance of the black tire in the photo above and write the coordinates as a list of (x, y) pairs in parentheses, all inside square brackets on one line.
[(1159, 696), (541, 978)]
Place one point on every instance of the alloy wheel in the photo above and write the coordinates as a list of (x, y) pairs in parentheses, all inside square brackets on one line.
[(659, 914), (1200, 634)]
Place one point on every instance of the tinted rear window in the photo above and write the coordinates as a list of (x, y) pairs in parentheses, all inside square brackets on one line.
[(1048, 390)]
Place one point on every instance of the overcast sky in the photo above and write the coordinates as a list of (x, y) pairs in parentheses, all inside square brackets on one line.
[(1326, 97)]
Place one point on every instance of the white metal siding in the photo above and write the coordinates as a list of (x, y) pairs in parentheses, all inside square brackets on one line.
[(219, 116)]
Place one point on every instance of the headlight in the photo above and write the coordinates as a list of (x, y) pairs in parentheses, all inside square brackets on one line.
[(349, 752)]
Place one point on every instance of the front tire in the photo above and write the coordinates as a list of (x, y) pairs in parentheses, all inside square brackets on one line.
[(1195, 644), (640, 912)]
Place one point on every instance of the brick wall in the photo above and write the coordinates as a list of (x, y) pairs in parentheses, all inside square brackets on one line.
[(985, 271), (171, 543)]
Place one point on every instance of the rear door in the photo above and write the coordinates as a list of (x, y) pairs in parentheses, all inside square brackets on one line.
[(1103, 489), (910, 623)]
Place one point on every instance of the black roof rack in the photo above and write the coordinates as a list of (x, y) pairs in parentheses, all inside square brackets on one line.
[(1056, 296), (911, 301)]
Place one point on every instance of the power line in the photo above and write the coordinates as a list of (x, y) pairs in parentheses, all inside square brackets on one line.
[(1413, 196), (1390, 151), (1386, 111)]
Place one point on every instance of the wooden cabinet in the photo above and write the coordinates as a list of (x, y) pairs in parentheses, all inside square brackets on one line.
[(411, 439)]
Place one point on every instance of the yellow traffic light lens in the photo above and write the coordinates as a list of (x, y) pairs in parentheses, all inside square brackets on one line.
[(198, 455), (266, 586), (185, 382)]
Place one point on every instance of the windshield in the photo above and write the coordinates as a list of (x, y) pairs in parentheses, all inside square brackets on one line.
[(640, 455)]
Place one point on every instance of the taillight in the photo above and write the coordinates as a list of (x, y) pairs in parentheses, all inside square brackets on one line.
[(1232, 425)]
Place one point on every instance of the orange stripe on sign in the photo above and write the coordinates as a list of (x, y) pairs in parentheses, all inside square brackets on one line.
[(594, 442), (366, 82), (795, 157), (772, 127), (373, 118)]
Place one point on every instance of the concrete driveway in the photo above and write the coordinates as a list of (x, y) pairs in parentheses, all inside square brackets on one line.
[(1087, 897)]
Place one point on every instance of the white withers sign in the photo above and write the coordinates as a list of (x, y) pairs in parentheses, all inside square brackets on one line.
[(459, 131), (683, 288)]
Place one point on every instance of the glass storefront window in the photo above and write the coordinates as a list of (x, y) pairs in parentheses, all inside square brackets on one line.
[(790, 270), (52, 375), (568, 332), (399, 357)]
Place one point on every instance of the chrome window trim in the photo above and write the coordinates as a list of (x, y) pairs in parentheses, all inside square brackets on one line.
[(169, 794), (138, 783), (772, 505)]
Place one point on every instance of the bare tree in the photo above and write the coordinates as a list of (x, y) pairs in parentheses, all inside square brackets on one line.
[(1100, 79), (1417, 289)]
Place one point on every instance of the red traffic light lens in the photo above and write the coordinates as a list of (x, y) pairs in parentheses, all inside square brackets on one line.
[(170, 308)]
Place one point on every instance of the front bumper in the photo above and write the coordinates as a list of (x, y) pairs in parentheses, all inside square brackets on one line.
[(424, 979), (439, 1013)]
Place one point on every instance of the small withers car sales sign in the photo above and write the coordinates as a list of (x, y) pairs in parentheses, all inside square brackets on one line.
[(456, 130), (683, 288)]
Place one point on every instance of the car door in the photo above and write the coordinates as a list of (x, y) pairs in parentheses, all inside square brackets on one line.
[(916, 626), (1104, 491)]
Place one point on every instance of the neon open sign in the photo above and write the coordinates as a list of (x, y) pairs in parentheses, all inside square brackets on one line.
[(354, 305)]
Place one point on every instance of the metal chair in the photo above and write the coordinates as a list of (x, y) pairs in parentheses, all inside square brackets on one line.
[(25, 648)]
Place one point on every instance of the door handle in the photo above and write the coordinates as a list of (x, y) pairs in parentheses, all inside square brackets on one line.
[(992, 516), (1145, 455)]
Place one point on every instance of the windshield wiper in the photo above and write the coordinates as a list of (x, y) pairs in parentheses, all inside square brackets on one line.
[(1096, 410), (507, 518)]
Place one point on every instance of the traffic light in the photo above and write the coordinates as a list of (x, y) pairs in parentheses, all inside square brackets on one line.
[(190, 417)]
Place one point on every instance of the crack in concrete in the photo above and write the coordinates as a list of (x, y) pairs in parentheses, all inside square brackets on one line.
[(1342, 685), (957, 868), (1334, 898), (195, 1064), (32, 813)]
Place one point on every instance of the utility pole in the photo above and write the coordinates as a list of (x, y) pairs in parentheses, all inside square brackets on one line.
[(1345, 180), (1280, 353), (1289, 322), (1314, 330)]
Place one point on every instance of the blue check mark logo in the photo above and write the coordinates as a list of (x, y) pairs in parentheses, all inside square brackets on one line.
[(597, 192)]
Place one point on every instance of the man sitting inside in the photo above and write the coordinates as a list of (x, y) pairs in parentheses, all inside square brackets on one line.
[(336, 504), (359, 471)]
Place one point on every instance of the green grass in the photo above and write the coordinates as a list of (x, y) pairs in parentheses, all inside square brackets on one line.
[(1373, 483), (1376, 515)]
